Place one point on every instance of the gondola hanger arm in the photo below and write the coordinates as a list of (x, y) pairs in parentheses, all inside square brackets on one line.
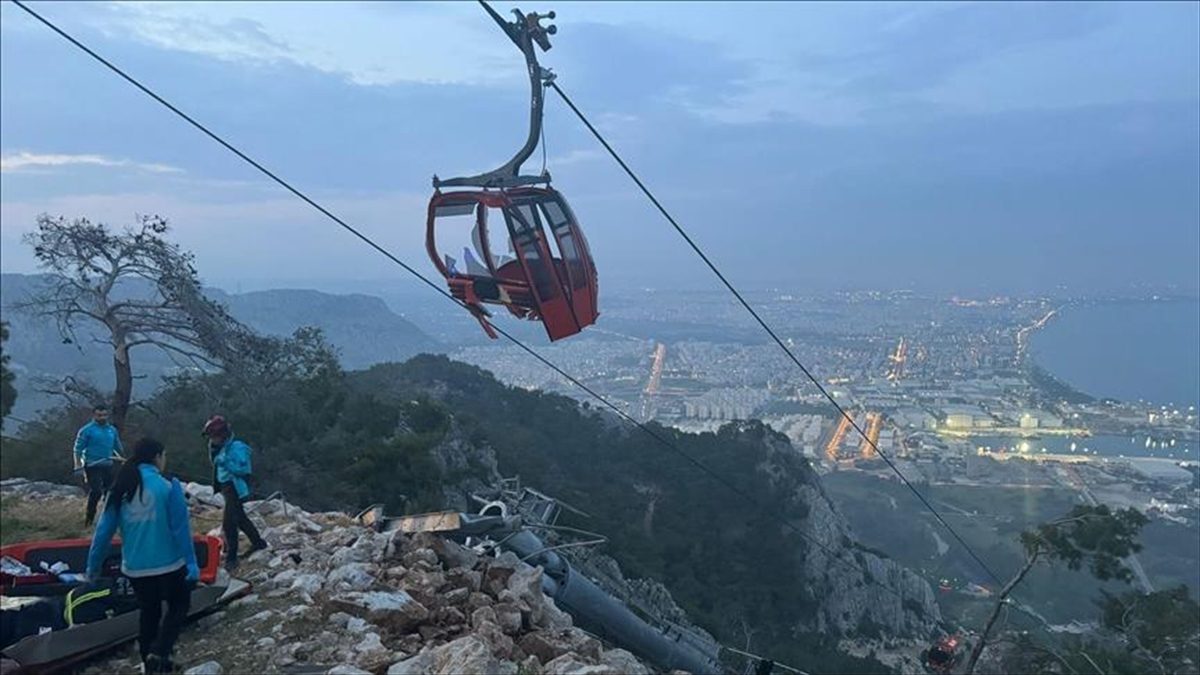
[(525, 32)]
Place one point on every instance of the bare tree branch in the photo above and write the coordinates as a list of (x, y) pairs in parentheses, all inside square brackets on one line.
[(143, 290)]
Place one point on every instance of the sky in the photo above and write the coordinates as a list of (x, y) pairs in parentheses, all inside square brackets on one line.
[(952, 148)]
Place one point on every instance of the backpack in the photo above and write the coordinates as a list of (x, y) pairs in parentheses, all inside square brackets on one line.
[(102, 599)]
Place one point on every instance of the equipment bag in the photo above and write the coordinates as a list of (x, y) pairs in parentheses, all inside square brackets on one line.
[(102, 599), (26, 616)]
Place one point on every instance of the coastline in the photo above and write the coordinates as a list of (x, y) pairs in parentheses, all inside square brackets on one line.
[(1089, 327)]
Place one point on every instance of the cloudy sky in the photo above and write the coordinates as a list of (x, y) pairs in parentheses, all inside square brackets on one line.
[(949, 147)]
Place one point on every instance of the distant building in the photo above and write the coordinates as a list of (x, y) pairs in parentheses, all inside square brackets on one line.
[(967, 417), (959, 420), (915, 418), (1156, 469)]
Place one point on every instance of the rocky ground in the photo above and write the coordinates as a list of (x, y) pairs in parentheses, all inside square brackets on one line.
[(333, 597)]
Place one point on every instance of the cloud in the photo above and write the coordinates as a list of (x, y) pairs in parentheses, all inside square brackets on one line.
[(441, 45), (30, 162), (575, 157), (264, 234), (167, 27)]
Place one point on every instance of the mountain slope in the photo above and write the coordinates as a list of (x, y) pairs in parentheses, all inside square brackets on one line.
[(424, 434), (362, 327), (728, 562)]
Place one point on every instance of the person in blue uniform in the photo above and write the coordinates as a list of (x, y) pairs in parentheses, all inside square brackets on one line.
[(96, 444), (231, 471), (157, 553)]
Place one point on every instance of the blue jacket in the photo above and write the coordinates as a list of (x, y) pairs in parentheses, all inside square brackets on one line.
[(96, 444), (232, 462), (156, 537)]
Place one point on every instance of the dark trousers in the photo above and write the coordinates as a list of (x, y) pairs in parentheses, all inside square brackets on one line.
[(235, 519), (157, 633), (99, 480)]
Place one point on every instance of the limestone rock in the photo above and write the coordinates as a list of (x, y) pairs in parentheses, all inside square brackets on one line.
[(497, 572), (461, 577), (245, 600), (425, 555), (572, 664), (370, 643), (508, 617), (261, 616), (469, 654), (457, 596), (449, 615), (548, 646), (623, 662), (531, 665), (424, 584), (352, 576), (206, 668), (306, 583), (395, 610), (481, 615), (501, 644), (477, 600)]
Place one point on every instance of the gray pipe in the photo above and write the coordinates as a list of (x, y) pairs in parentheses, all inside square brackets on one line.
[(599, 613)]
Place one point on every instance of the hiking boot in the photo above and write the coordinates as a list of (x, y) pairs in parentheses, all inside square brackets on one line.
[(255, 548), (231, 566)]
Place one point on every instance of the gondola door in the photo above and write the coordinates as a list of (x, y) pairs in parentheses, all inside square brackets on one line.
[(580, 271), (533, 252)]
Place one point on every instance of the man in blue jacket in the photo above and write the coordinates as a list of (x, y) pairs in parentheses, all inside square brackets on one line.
[(231, 467), (95, 446)]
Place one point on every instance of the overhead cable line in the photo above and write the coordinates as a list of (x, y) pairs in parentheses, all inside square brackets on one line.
[(728, 285), (408, 268)]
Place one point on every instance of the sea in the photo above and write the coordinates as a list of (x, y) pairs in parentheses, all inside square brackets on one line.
[(1161, 446), (1131, 351)]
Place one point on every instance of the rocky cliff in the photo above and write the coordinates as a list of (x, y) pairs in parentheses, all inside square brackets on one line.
[(721, 557), (859, 591)]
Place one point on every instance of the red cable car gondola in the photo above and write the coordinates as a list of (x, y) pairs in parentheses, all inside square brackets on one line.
[(942, 656), (546, 272)]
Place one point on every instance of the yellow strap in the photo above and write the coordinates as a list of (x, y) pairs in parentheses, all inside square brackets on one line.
[(72, 602)]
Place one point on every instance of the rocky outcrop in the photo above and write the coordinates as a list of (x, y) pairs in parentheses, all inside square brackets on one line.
[(470, 467), (37, 490), (331, 596), (856, 591), (861, 592)]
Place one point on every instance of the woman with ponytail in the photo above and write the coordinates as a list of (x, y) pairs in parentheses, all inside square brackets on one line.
[(157, 553)]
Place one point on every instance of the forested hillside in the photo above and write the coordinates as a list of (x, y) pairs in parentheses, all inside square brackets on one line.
[(420, 435)]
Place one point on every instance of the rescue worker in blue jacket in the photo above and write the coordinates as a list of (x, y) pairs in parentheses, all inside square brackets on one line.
[(231, 468), (96, 444), (157, 553)]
